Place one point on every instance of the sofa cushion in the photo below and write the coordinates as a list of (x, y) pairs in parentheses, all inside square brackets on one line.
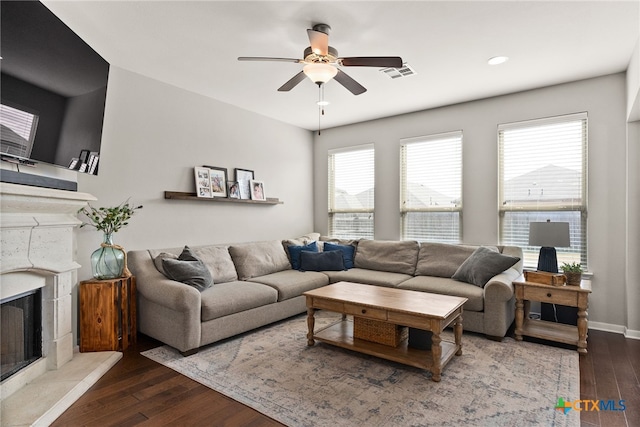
[(294, 253), (390, 256), (188, 269), (368, 277), (348, 252), (441, 259), (218, 261), (292, 283), (482, 265), (320, 261), (448, 286), (259, 258), (233, 297)]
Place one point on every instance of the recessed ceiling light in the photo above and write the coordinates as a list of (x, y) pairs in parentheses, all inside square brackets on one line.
[(498, 60)]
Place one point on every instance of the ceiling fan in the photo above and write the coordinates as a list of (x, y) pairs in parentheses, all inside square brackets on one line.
[(321, 61)]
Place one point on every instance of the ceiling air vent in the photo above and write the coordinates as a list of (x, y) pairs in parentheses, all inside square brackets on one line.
[(404, 71)]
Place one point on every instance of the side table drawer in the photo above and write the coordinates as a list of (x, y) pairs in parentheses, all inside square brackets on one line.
[(553, 296), (360, 311)]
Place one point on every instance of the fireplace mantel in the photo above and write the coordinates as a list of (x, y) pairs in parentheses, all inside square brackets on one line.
[(44, 218), (39, 251)]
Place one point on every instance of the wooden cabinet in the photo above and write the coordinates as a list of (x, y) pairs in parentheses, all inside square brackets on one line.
[(107, 314)]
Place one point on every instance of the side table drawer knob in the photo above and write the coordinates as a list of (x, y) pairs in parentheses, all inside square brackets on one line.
[(549, 295), (364, 311)]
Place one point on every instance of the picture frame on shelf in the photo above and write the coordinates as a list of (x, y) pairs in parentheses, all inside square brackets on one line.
[(257, 190), (84, 156), (94, 158), (242, 177), (203, 181), (218, 180), (74, 163), (233, 190)]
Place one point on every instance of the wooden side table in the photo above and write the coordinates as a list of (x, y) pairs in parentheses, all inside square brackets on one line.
[(573, 296), (107, 314)]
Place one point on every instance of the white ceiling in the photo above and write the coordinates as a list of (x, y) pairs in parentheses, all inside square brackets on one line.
[(194, 45)]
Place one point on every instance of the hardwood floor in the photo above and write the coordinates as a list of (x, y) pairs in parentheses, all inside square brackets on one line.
[(138, 391)]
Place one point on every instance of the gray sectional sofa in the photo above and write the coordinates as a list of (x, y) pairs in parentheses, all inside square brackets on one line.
[(254, 285)]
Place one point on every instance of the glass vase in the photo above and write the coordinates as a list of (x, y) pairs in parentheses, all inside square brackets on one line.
[(107, 262)]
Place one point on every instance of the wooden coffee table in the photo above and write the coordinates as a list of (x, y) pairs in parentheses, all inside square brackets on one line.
[(421, 310)]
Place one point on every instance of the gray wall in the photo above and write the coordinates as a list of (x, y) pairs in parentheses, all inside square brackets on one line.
[(154, 134), (603, 98)]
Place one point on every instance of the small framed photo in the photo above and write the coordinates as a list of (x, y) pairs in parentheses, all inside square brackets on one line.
[(94, 158), (243, 176), (257, 190), (203, 182), (233, 190), (218, 179), (75, 163)]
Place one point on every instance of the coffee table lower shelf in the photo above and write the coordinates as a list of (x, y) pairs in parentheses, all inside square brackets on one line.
[(341, 335)]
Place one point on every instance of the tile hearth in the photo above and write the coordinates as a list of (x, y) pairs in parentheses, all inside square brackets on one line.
[(40, 402)]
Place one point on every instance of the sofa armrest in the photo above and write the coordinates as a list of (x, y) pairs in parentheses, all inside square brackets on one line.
[(156, 287), (168, 311), (500, 287)]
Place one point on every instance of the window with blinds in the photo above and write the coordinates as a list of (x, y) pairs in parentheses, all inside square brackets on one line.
[(543, 176), (18, 130), (431, 188), (351, 192)]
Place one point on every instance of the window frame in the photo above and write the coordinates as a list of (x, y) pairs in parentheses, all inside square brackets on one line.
[(404, 210), (332, 210), (538, 208)]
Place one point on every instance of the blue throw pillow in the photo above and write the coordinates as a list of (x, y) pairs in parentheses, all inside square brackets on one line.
[(294, 253), (348, 252), (321, 261)]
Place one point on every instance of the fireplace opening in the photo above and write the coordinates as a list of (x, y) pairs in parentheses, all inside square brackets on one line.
[(20, 331)]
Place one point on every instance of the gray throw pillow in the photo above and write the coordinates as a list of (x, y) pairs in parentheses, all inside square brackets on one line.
[(482, 265), (321, 261), (188, 269), (157, 261)]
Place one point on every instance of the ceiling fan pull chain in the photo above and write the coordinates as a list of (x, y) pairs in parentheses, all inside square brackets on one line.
[(320, 106)]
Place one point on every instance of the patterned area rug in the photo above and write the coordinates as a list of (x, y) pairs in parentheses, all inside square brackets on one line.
[(274, 371)]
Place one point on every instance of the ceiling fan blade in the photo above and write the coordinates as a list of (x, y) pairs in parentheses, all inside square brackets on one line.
[(264, 58), (352, 86), (372, 61), (293, 82), (319, 42)]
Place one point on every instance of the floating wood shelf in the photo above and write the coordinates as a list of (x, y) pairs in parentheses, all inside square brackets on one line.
[(178, 195)]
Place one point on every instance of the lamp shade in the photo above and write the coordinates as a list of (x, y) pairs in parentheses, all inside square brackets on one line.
[(549, 234), (320, 72)]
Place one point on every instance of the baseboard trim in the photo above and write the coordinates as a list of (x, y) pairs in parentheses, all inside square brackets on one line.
[(632, 334), (607, 327)]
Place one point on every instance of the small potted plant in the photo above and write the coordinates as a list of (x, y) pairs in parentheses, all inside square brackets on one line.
[(573, 273)]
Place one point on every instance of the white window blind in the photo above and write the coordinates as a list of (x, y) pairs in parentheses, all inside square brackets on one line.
[(431, 188), (351, 192), (18, 130), (543, 176)]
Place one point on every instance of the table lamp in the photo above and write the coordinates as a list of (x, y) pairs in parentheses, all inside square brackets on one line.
[(548, 235)]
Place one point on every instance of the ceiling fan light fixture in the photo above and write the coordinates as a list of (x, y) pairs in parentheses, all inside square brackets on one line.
[(320, 72)]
